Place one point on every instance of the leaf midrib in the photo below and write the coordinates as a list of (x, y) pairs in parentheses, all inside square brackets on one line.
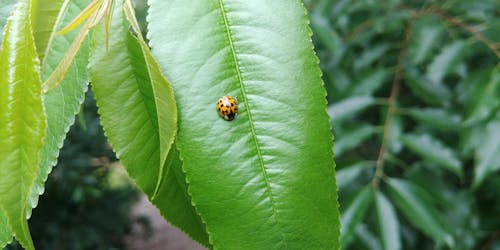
[(250, 118)]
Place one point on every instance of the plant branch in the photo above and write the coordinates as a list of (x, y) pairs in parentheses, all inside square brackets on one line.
[(398, 76)]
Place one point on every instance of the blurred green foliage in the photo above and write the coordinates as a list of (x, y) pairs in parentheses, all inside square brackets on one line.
[(414, 93), (87, 202)]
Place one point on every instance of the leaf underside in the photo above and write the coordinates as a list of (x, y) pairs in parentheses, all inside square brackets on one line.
[(126, 77)]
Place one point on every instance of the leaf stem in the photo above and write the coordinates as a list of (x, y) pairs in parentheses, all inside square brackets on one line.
[(396, 82)]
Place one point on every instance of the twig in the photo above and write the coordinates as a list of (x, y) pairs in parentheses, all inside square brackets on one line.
[(398, 75)]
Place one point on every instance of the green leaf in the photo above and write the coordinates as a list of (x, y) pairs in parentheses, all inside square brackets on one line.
[(423, 88), (370, 55), (427, 33), (440, 119), (272, 167), (434, 151), (370, 82), (349, 107), (445, 61), (23, 120), (412, 202), (44, 16), (5, 232), (488, 157), (328, 36), (352, 137), (388, 222), (138, 112), (174, 201), (367, 238), (487, 101), (347, 175), (396, 130), (354, 214), (62, 103)]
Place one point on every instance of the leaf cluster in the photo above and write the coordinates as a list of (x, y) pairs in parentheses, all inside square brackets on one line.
[(414, 93)]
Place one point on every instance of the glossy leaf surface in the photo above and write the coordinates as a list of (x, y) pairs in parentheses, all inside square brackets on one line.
[(272, 167), (23, 120)]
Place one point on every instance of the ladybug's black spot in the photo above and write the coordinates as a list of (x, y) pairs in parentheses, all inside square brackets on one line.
[(232, 104), (221, 105), (218, 109), (230, 116)]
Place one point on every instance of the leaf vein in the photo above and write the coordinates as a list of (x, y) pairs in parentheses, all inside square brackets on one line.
[(247, 108)]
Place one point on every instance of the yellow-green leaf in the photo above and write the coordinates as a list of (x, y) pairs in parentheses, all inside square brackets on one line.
[(23, 120)]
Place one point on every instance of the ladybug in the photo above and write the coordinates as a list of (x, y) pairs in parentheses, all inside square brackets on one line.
[(227, 107)]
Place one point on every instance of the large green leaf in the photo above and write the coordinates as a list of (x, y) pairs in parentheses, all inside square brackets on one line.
[(5, 232), (44, 16), (270, 169), (22, 118), (413, 203), (488, 156), (388, 222), (138, 112), (433, 150), (63, 102), (355, 214)]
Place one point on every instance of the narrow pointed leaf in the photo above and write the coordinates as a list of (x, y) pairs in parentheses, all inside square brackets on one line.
[(349, 107), (135, 103), (82, 16), (409, 198), (425, 38), (44, 16), (346, 175), (488, 157), (62, 103), (62, 68), (434, 151), (367, 238), (388, 222), (272, 167), (354, 214), (352, 137), (444, 62), (437, 118), (425, 90), (485, 103), (22, 118)]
